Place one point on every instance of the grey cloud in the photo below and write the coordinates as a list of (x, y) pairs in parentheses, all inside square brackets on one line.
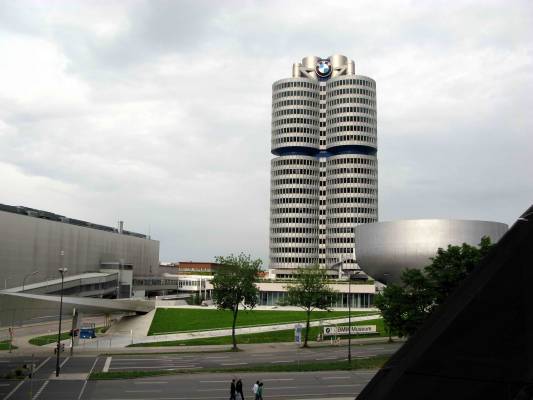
[(172, 128)]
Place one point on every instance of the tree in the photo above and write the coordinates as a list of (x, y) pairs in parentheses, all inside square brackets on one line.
[(309, 292), (234, 284), (405, 307)]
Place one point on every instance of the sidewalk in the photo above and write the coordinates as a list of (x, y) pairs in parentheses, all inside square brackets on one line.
[(257, 348)]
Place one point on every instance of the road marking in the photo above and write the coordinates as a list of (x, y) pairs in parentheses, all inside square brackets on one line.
[(107, 364), (326, 358), (4, 384), (64, 362), (350, 385), (40, 390), (277, 379), (218, 357), (85, 383), (281, 361), (211, 390), (336, 377), (283, 387), (150, 383), (152, 367), (21, 382), (143, 391), (241, 363), (214, 381)]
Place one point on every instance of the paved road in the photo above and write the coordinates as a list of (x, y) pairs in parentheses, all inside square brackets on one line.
[(311, 385), (73, 382), (264, 356)]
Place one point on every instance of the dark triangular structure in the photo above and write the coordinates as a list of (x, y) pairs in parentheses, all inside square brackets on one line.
[(479, 343)]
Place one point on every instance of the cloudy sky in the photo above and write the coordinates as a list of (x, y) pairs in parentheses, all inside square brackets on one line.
[(158, 112)]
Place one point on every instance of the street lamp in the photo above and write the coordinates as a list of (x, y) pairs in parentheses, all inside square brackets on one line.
[(27, 276), (350, 278), (62, 271)]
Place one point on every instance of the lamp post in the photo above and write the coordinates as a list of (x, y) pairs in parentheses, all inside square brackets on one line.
[(26, 277), (62, 271), (350, 277)]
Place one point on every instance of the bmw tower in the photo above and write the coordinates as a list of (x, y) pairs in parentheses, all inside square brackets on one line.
[(324, 177)]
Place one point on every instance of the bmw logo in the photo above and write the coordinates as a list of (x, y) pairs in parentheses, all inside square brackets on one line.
[(323, 68)]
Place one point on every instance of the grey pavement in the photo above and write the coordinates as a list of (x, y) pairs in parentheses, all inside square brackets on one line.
[(73, 383), (339, 385)]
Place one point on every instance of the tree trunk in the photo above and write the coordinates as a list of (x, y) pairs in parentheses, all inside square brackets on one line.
[(307, 328), (235, 311)]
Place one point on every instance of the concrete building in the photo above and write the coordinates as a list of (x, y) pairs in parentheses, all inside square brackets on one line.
[(385, 249), (324, 175), (35, 240)]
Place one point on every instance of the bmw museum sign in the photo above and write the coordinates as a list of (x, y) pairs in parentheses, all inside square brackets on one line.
[(343, 330)]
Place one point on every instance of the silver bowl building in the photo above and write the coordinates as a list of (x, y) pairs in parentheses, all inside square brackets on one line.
[(385, 249)]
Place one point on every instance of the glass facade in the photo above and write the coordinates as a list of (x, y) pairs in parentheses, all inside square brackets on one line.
[(358, 300)]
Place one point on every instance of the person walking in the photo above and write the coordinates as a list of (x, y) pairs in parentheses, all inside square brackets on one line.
[(238, 388), (232, 390), (255, 389), (260, 391)]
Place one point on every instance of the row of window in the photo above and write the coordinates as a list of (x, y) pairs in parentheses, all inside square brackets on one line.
[(350, 220), (352, 210), (365, 181), (294, 200), (352, 160), (294, 181), (294, 190), (351, 90), (351, 128), (298, 111), (293, 250), (352, 138), (290, 84), (293, 210), (340, 171), (352, 200), (294, 139), (295, 93), (296, 171), (294, 220), (362, 190), (294, 161), (360, 82), (294, 229), (340, 250), (295, 129), (294, 260), (303, 240), (351, 100), (338, 240), (296, 102), (359, 110), (286, 121), (351, 118)]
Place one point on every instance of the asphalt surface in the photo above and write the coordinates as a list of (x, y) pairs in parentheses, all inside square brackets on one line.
[(73, 383), (294, 386), (265, 356)]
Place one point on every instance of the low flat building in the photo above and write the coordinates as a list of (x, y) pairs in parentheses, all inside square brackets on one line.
[(35, 243)]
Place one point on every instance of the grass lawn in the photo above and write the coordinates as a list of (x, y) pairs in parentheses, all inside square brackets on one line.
[(264, 337), (4, 345), (172, 320), (47, 339), (358, 363)]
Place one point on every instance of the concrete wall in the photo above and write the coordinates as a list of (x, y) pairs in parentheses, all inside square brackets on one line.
[(28, 244)]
